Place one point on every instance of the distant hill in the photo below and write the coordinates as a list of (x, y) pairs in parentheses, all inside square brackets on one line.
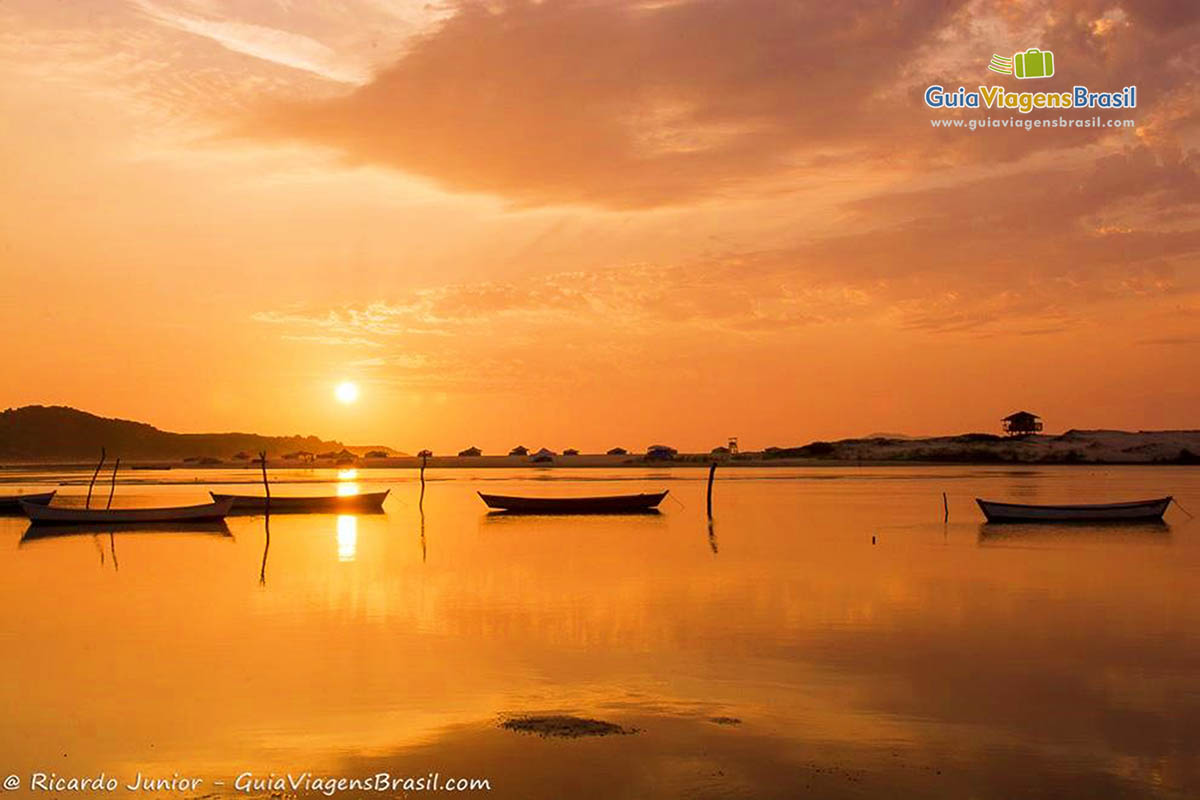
[(1072, 447), (35, 433)]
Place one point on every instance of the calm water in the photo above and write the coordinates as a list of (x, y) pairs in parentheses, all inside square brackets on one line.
[(945, 660)]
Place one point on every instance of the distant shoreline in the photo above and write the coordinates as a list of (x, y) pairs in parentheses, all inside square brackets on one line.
[(1076, 448), (501, 462), (59, 437)]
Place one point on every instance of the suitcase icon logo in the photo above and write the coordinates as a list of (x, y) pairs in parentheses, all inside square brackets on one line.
[(1033, 63)]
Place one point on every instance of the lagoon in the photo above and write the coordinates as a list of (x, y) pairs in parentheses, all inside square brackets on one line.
[(776, 653)]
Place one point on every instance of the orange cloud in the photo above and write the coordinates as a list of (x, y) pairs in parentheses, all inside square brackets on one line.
[(617, 104), (631, 105), (677, 198)]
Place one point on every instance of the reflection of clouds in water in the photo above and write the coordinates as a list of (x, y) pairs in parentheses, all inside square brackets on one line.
[(347, 537)]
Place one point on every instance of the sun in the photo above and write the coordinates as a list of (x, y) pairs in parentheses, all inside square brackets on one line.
[(346, 392)]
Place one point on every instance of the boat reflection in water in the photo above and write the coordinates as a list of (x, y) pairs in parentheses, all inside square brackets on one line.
[(217, 529), (1005, 532), (41, 533)]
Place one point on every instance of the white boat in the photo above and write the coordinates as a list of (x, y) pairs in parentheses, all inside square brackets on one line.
[(1134, 511), (62, 515)]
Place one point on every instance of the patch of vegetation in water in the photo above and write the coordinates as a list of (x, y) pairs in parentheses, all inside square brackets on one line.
[(564, 726)]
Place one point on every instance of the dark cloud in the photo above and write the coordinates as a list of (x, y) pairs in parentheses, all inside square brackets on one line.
[(616, 103), (625, 104)]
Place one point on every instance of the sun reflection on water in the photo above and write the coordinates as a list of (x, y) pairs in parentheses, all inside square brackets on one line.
[(347, 537), (346, 482)]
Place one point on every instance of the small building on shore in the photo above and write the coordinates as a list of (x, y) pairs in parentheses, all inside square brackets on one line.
[(1022, 423), (519, 450), (470, 452), (660, 452)]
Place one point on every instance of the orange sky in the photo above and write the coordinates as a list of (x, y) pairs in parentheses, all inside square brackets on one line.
[(593, 223)]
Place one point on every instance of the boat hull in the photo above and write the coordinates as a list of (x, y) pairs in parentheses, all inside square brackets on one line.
[(612, 504), (336, 504), (11, 504), (59, 515), (1135, 511)]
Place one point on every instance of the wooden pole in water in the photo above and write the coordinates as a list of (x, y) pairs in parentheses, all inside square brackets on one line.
[(424, 554), (262, 459), (945, 508), (262, 571), (88, 502), (421, 499), (712, 471), (112, 487)]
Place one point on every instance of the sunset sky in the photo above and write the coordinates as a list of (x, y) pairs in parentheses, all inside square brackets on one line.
[(594, 223)]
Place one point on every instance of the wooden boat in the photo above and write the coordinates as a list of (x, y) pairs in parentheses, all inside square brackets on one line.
[(12, 503), (60, 515), (610, 504), (334, 504), (1135, 511)]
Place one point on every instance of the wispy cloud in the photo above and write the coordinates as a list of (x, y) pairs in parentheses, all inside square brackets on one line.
[(941, 262), (335, 341), (269, 44)]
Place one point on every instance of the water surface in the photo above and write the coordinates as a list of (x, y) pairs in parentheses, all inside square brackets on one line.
[(943, 660)]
